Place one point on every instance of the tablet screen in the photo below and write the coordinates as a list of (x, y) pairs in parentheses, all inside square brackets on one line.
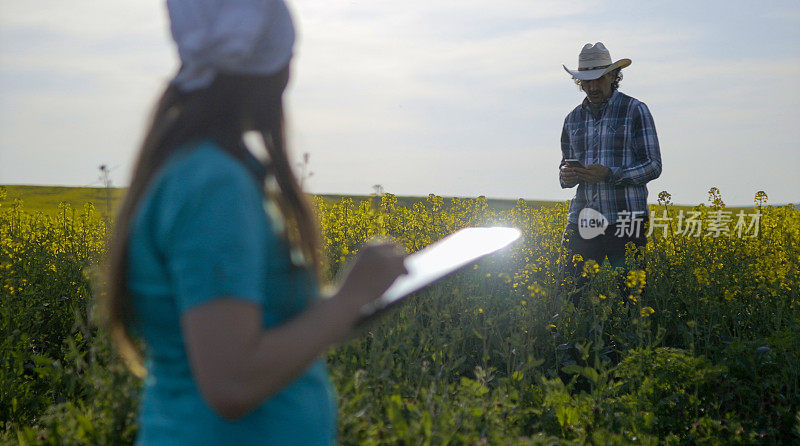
[(442, 258)]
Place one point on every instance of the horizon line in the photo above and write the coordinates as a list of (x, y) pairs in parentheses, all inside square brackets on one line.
[(366, 195)]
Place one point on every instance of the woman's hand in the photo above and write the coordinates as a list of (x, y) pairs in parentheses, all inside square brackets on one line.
[(371, 273)]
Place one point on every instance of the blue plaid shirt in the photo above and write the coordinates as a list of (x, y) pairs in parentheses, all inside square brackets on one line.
[(624, 140)]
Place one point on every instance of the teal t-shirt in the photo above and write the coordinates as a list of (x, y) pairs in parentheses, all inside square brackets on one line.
[(201, 232)]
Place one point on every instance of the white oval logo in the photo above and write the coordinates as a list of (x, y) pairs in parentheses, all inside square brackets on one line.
[(591, 223)]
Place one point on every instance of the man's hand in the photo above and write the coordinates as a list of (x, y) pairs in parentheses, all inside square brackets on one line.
[(568, 176), (592, 174)]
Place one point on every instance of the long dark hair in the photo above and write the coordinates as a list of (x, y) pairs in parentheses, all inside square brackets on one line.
[(614, 84), (221, 112)]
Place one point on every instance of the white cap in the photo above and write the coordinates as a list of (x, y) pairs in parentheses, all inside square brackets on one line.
[(236, 36)]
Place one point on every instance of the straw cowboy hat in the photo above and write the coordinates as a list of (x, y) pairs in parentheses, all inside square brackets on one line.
[(595, 61)]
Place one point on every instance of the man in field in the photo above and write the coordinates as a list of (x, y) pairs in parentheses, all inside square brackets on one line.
[(610, 151)]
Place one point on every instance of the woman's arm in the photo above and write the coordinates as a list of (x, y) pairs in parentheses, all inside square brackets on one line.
[(237, 364)]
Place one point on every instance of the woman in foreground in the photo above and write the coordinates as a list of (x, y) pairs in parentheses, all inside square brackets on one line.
[(214, 259)]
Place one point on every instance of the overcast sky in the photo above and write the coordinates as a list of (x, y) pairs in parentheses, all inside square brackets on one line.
[(459, 98)]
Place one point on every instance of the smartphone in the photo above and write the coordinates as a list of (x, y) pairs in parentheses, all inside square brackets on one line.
[(574, 163)]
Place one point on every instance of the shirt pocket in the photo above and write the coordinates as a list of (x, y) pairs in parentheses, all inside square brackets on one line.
[(618, 136), (577, 142), (618, 145)]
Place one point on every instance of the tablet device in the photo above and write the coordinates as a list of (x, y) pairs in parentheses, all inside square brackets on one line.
[(440, 259)]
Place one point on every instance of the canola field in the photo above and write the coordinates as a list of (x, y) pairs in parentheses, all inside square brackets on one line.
[(696, 341)]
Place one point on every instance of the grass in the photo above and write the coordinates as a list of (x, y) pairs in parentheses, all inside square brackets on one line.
[(46, 199)]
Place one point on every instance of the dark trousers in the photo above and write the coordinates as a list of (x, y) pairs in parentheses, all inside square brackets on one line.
[(598, 248), (602, 246)]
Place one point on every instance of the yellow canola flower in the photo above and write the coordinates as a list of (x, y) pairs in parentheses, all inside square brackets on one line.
[(590, 267), (701, 274), (646, 311), (636, 279)]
